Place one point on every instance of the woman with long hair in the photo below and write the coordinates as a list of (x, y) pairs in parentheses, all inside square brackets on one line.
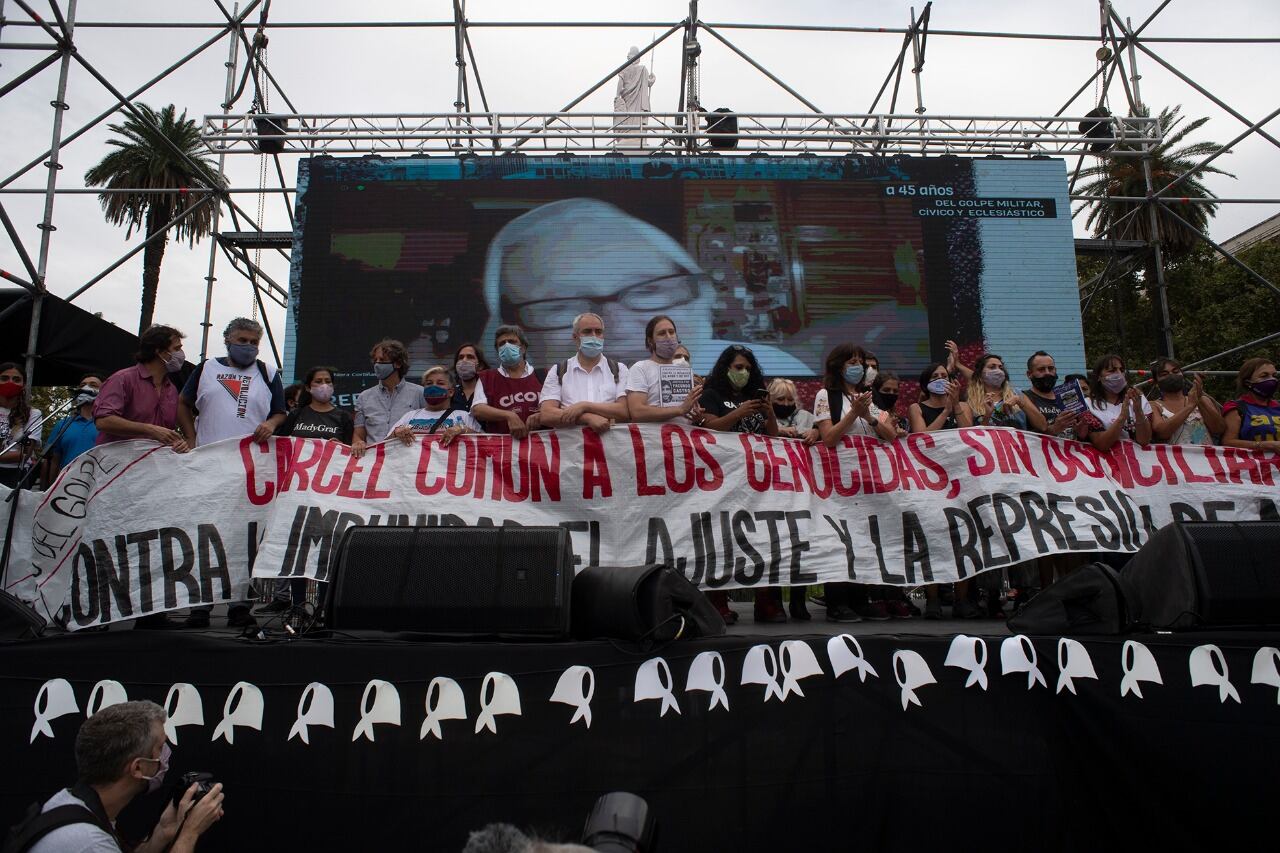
[(995, 402), (649, 398), (17, 420), (1183, 413), (1116, 409), (843, 407), (734, 399), (1253, 418)]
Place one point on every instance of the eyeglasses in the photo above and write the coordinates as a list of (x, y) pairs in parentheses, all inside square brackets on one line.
[(651, 295)]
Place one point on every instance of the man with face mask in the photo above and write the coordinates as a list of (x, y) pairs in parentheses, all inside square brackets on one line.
[(507, 399), (228, 398), (589, 389), (235, 395), (1043, 373), (380, 407), (120, 753), (75, 433)]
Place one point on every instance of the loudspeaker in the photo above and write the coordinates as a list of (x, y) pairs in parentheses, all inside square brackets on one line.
[(724, 125), (19, 620), (652, 602), (1207, 574), (1090, 600), (453, 580)]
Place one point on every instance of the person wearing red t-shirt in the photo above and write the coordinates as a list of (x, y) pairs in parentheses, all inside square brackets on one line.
[(1253, 418), (507, 399)]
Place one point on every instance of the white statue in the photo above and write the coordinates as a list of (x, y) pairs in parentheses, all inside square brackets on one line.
[(634, 83)]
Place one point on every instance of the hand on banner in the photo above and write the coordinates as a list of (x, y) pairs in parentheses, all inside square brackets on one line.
[(358, 447), (448, 434), (517, 427), (404, 433), (573, 414), (263, 432), (812, 437), (598, 424), (169, 437)]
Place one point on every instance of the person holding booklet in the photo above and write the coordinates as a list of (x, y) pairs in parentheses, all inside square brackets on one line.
[(658, 389), (1061, 421)]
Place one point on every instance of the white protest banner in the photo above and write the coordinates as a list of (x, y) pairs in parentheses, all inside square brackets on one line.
[(157, 530), (20, 553)]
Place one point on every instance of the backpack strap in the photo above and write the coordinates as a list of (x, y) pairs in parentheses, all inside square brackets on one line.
[(36, 824), (262, 369), (836, 403), (613, 368)]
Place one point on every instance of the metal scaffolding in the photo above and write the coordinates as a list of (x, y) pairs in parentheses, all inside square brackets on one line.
[(467, 131)]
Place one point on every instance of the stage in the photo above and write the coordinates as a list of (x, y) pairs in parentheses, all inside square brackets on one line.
[(426, 741)]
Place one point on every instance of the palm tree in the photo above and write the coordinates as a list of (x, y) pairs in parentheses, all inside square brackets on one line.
[(1120, 174), (147, 158)]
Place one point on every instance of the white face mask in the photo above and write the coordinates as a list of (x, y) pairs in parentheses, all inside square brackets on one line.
[(680, 360), (157, 779)]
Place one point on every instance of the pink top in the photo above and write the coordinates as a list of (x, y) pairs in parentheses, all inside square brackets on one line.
[(130, 394)]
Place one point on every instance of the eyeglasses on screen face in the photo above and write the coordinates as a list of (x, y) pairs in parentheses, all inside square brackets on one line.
[(652, 296)]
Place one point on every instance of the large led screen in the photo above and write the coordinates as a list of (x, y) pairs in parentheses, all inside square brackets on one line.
[(788, 255)]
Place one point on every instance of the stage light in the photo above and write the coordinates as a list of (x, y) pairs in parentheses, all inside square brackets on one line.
[(1097, 129)]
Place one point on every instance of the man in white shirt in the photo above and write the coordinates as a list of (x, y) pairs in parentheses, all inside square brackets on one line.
[(230, 398), (589, 389)]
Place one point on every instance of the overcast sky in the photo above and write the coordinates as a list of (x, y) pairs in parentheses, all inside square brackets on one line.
[(378, 70)]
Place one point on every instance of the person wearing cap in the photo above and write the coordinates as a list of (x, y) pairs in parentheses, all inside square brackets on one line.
[(75, 433)]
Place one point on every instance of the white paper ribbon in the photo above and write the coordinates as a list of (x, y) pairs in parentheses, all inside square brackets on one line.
[(379, 704), (184, 707), (707, 674), (1266, 669), (243, 707), (1018, 654), (845, 653), (498, 695), (797, 661), (575, 688), (105, 694), (315, 708), (654, 681), (445, 701), (761, 667), (969, 654), (911, 672), (1139, 665), (1073, 662), (55, 699), (1209, 668)]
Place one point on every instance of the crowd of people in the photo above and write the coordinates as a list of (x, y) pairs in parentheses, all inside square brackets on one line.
[(162, 399)]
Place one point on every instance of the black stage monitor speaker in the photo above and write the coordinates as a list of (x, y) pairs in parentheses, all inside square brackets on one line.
[(1207, 574), (652, 602), (1090, 600), (453, 580), (19, 620)]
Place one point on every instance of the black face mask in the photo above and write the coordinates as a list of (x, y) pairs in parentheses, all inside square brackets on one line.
[(1173, 383), (888, 401), (1044, 384), (783, 412)]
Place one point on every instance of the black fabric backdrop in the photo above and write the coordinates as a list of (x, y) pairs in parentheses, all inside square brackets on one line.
[(842, 767), (72, 341)]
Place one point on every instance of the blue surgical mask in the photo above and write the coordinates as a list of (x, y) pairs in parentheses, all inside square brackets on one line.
[(591, 346), (937, 386), (510, 355), (242, 355), (434, 393), (853, 374)]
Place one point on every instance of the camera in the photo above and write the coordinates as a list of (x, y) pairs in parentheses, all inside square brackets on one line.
[(203, 780)]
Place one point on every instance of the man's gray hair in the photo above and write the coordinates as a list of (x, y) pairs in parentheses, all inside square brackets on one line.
[(113, 737), (578, 319), (242, 324), (508, 329)]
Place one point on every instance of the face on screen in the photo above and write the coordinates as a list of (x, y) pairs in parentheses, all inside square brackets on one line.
[(584, 255)]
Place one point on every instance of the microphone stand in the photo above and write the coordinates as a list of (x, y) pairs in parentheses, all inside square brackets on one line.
[(26, 468)]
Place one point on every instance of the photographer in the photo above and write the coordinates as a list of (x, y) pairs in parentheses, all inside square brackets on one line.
[(120, 753)]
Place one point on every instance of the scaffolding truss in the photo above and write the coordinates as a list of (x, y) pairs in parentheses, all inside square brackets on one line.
[(468, 131)]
